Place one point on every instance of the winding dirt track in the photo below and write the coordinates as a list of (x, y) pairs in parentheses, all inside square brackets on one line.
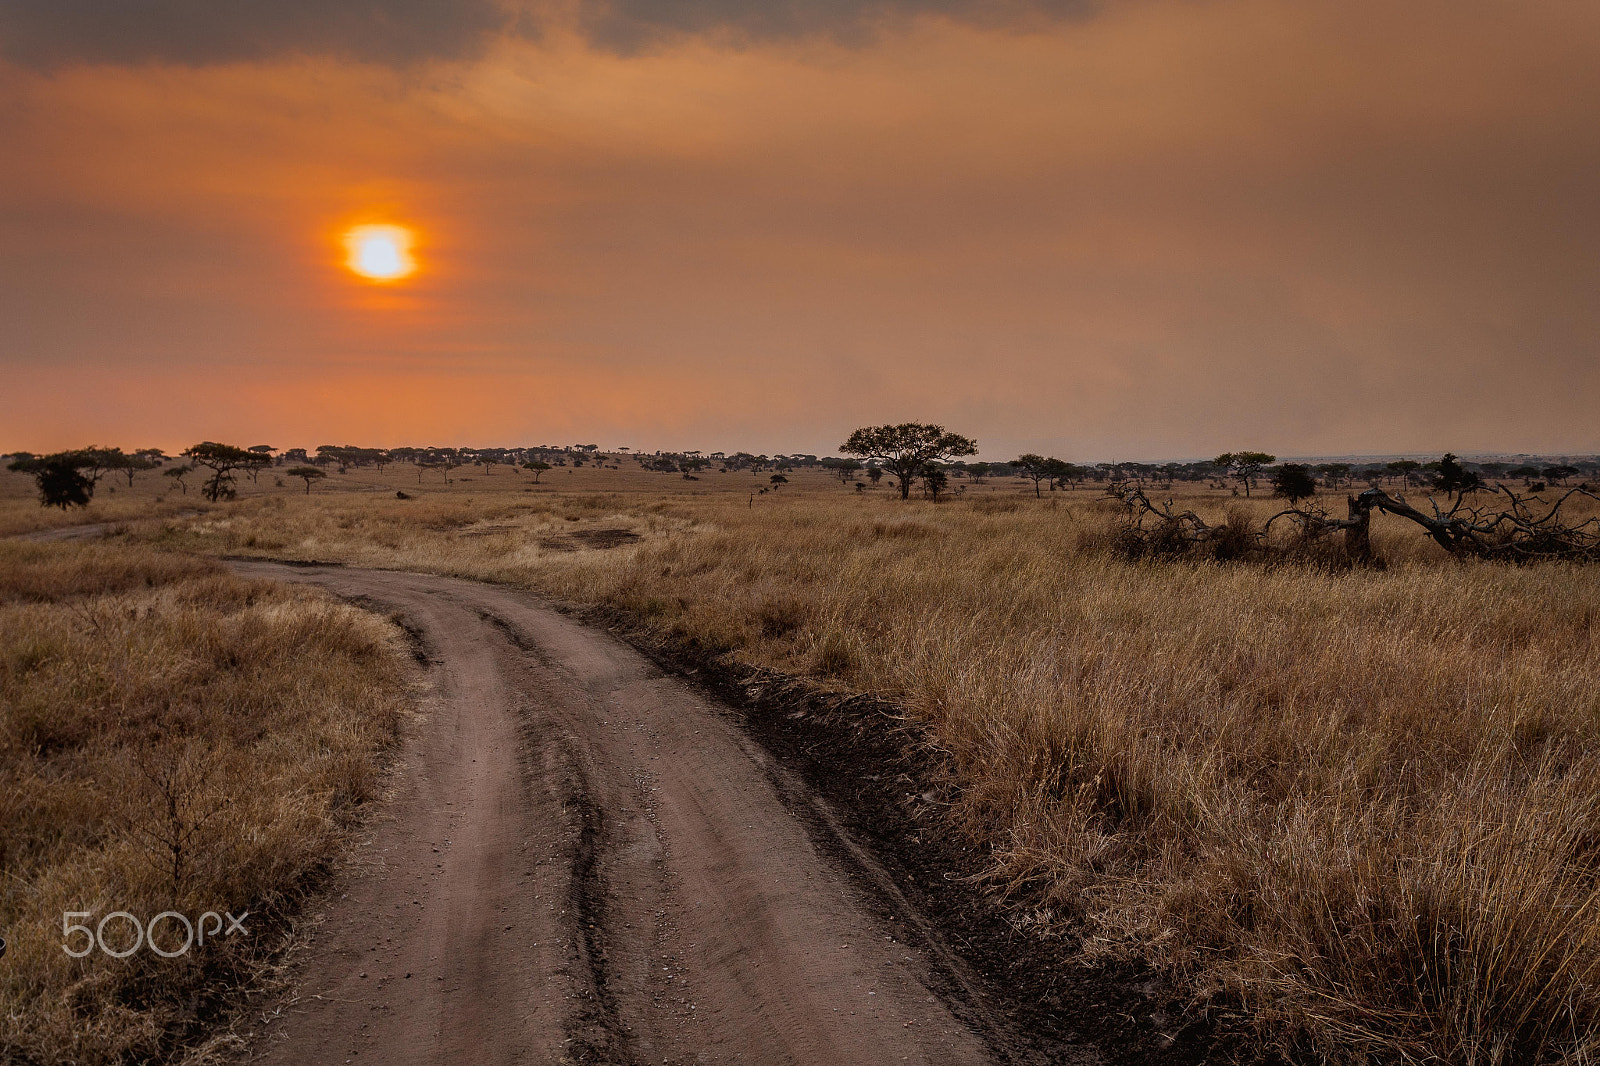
[(587, 861)]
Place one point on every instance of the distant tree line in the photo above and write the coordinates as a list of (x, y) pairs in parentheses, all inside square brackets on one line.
[(69, 479), (913, 455)]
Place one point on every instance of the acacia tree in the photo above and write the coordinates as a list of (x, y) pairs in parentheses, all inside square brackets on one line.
[(1452, 478), (1403, 469), (1062, 473), (178, 473), (538, 466), (843, 469), (1293, 482), (905, 449), (261, 458), (1035, 468), (306, 473), (1244, 466), (130, 465), (1335, 473), (60, 478), (223, 460), (91, 462)]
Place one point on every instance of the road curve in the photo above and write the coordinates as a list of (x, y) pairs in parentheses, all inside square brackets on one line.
[(585, 861), (84, 532)]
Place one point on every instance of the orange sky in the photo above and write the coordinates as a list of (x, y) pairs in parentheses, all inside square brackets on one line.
[(1155, 229)]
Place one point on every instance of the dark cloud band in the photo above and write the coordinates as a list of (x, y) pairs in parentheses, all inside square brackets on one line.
[(53, 33), (635, 23)]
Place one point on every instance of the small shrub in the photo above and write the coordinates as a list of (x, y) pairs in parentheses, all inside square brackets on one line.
[(832, 655), (778, 616)]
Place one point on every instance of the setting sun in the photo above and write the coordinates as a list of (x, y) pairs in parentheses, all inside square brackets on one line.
[(380, 253)]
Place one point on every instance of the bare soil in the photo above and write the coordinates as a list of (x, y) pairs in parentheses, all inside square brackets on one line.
[(588, 859), (83, 532)]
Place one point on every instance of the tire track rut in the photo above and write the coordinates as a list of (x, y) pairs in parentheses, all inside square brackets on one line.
[(585, 860)]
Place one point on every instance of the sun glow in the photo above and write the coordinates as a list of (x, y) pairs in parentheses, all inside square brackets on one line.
[(380, 253)]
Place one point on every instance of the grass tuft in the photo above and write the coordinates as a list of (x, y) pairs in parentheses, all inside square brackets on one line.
[(172, 738)]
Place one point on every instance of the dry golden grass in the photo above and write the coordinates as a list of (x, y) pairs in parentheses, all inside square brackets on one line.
[(146, 696), (1364, 804)]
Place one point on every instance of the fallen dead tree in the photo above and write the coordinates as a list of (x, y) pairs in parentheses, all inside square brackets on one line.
[(1510, 527)]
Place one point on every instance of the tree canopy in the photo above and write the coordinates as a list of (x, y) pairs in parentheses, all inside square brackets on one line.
[(308, 474), (906, 449), (1039, 468), (1245, 466), (1451, 478), (223, 460), (1294, 482), (61, 477)]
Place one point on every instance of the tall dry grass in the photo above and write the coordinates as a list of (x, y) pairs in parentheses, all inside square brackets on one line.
[(172, 738), (1364, 805)]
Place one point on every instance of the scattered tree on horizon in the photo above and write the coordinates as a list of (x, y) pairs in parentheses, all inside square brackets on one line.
[(843, 469), (1453, 479), (1403, 469), (129, 465), (1035, 468), (178, 473), (1294, 482), (308, 474), (905, 449), (1063, 474), (976, 472), (538, 466), (223, 460), (60, 477), (1335, 473), (1245, 467), (93, 462)]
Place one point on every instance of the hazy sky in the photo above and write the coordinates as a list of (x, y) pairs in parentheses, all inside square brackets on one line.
[(1131, 229)]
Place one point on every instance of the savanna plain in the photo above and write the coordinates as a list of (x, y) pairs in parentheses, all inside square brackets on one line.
[(1355, 810)]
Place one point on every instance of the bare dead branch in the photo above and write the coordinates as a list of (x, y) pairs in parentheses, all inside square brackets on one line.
[(1513, 528)]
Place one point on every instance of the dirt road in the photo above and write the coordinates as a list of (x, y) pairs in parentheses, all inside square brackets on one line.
[(93, 529), (587, 861)]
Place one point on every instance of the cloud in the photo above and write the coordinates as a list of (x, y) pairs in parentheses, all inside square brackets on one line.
[(48, 34), (1169, 230), (53, 33), (628, 25)]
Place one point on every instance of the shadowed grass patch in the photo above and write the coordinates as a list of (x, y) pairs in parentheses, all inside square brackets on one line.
[(172, 738)]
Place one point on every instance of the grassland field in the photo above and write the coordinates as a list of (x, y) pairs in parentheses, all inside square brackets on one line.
[(172, 738), (1362, 807)]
